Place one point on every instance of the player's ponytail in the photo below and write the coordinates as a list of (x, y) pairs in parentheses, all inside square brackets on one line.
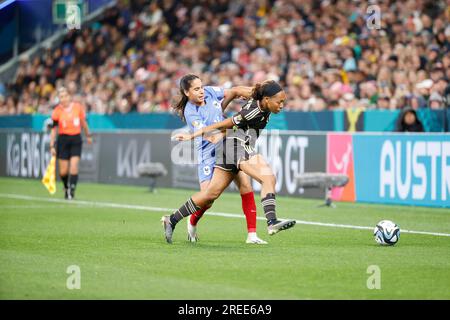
[(185, 85), (267, 88)]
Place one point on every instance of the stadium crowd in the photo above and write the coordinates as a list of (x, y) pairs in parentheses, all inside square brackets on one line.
[(327, 54)]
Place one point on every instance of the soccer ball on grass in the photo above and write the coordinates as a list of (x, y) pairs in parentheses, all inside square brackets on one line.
[(386, 233)]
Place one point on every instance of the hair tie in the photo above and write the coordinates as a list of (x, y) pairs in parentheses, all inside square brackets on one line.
[(271, 89)]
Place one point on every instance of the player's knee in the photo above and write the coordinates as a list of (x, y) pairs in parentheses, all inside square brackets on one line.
[(269, 180), (212, 195), (245, 187)]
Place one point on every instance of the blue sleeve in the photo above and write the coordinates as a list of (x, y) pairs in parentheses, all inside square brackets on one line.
[(217, 92)]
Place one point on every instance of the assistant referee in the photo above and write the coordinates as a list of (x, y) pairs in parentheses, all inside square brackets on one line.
[(68, 119)]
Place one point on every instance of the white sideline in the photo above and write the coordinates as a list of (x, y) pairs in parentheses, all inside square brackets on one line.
[(218, 214)]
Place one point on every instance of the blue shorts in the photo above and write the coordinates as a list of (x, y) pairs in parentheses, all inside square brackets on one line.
[(206, 169), (207, 161)]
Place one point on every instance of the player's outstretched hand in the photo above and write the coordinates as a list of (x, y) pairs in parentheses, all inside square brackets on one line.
[(182, 137)]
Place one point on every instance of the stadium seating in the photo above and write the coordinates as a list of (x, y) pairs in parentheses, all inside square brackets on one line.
[(131, 59)]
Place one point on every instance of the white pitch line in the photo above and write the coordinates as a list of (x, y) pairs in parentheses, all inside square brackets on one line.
[(86, 203), (19, 206), (217, 214)]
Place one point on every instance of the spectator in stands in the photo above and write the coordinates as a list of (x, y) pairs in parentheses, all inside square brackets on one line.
[(11, 104), (423, 92), (3, 106), (440, 85), (383, 102), (408, 122), (436, 101)]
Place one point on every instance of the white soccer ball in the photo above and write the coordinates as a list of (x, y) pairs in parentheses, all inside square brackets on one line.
[(386, 233)]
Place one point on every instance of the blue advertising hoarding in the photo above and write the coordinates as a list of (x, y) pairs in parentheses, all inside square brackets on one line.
[(410, 169)]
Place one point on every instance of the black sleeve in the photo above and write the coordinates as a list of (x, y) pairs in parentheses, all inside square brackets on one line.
[(55, 123), (238, 119), (247, 113)]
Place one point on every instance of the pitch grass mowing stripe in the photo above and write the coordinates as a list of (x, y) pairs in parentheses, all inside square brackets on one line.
[(218, 214)]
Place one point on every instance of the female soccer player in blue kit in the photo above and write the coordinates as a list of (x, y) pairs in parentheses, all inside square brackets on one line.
[(202, 106)]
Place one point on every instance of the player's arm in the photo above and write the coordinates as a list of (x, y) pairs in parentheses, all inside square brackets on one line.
[(223, 125), (235, 92), (85, 126), (86, 130), (195, 122), (53, 138), (53, 132)]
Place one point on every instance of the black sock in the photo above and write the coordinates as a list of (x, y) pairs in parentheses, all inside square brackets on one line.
[(73, 182), (185, 210), (64, 180), (268, 204)]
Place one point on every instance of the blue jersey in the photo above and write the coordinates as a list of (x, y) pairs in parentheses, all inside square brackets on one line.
[(199, 117)]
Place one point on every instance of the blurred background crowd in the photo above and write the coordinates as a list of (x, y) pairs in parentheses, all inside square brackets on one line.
[(327, 54)]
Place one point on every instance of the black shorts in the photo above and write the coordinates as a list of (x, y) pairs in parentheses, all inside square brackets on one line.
[(231, 153), (68, 146)]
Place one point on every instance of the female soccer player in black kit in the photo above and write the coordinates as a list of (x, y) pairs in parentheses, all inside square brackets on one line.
[(238, 153)]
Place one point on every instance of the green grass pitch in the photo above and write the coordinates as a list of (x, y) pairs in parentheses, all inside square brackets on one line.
[(122, 254)]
